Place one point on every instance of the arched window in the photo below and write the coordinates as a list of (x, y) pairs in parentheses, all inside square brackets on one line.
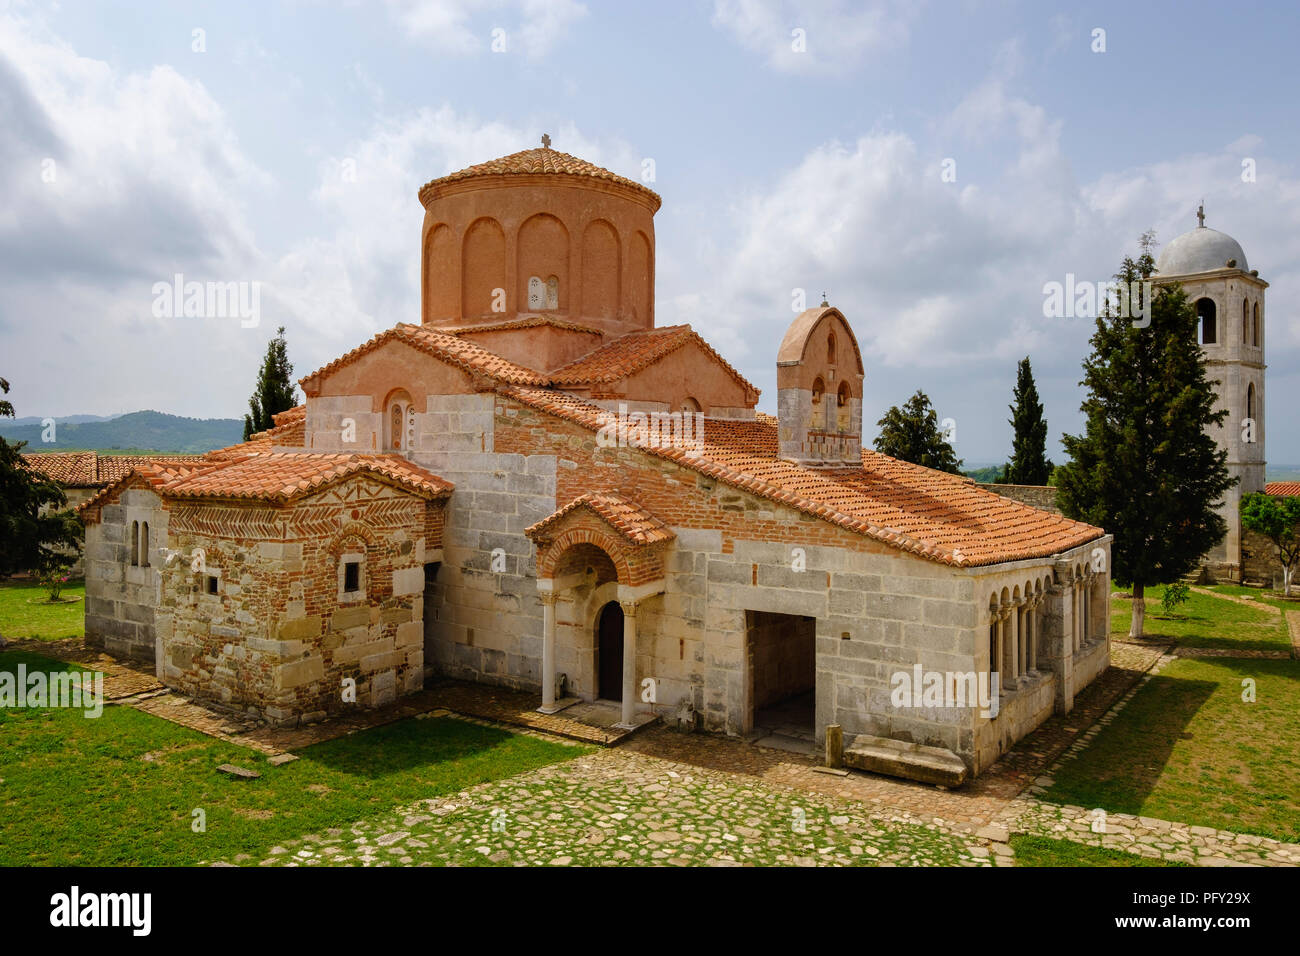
[(536, 294), (1208, 320), (1250, 401), (144, 544), (690, 405), (1257, 322), (399, 423), (818, 420), (135, 544), (1245, 322), (552, 293), (843, 407), (830, 348)]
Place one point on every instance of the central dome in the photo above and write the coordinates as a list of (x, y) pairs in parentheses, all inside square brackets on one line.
[(1201, 250)]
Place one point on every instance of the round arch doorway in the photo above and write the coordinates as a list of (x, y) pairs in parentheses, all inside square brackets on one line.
[(609, 652)]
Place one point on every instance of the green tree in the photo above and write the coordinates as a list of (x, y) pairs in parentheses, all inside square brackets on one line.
[(275, 390), (1029, 464), (912, 434), (1278, 519), (1145, 468), (35, 528)]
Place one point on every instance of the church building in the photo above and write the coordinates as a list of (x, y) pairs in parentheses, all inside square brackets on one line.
[(538, 486)]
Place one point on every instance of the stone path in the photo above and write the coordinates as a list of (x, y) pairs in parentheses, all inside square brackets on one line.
[(618, 807), (1239, 599)]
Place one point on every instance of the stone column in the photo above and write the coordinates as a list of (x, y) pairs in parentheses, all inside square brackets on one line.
[(629, 662), (996, 665), (1013, 645), (548, 651), (1033, 634)]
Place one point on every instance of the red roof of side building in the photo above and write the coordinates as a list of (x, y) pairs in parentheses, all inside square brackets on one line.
[(89, 469), (624, 515), (278, 477), (634, 351), (1284, 488), (942, 517), (289, 431)]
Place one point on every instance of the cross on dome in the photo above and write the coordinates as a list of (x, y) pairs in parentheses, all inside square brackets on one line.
[(546, 140)]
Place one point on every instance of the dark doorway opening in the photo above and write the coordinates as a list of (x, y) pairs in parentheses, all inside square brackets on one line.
[(782, 654), (609, 652)]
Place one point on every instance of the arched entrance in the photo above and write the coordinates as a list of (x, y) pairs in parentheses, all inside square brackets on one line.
[(609, 652)]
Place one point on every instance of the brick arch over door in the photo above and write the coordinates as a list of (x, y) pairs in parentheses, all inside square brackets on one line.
[(550, 557)]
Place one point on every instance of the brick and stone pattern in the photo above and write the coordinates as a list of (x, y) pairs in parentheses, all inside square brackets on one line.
[(1037, 496), (280, 636)]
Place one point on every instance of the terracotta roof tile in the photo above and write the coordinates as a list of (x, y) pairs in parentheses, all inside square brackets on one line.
[(634, 351), (277, 477), (625, 516), (456, 351), (941, 517), (88, 469), (538, 161), (524, 322), (289, 431), (1283, 488)]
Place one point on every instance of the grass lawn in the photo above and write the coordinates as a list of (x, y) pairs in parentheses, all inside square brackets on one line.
[(1205, 621), (1188, 748), (1045, 851), (1261, 596), (23, 613), (120, 789)]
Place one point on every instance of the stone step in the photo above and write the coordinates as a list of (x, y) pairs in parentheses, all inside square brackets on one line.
[(898, 758)]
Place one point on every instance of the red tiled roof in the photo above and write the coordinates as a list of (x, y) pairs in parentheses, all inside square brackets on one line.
[(625, 516), (278, 477), (941, 517), (1284, 488), (456, 351), (538, 161), (634, 351), (289, 431), (89, 469), (524, 322)]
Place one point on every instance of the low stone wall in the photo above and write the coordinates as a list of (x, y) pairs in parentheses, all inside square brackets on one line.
[(1036, 496), (1259, 560)]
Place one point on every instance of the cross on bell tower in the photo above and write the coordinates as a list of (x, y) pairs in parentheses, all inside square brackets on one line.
[(546, 140), (1200, 214)]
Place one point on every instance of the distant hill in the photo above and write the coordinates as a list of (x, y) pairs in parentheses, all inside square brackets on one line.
[(65, 420), (155, 431)]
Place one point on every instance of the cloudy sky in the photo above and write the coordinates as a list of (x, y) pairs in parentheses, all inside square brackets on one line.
[(283, 143)]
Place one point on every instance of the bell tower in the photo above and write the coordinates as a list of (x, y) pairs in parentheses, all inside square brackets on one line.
[(819, 379), (1229, 300)]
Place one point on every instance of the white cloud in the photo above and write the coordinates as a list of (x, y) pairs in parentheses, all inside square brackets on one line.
[(465, 27), (835, 35)]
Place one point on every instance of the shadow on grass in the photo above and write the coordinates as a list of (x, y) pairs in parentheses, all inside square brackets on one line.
[(407, 745), (1124, 763)]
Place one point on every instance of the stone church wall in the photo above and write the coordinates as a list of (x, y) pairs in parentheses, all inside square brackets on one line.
[(121, 597), (279, 636)]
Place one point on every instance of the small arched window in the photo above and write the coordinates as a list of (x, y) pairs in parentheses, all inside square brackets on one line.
[(1207, 318), (830, 348), (843, 396), (144, 544), (536, 294), (552, 293), (1250, 401), (135, 544), (1257, 322), (690, 405), (1245, 322), (818, 389), (399, 423)]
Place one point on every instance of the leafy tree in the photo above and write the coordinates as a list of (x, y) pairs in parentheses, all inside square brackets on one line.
[(1145, 468), (1029, 464), (275, 390), (32, 532), (912, 434), (1278, 519)]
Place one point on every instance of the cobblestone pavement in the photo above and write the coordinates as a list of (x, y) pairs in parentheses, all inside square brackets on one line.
[(617, 807), (969, 809)]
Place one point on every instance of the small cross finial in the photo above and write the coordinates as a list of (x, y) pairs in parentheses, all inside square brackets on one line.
[(546, 140), (1200, 214), (824, 302)]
